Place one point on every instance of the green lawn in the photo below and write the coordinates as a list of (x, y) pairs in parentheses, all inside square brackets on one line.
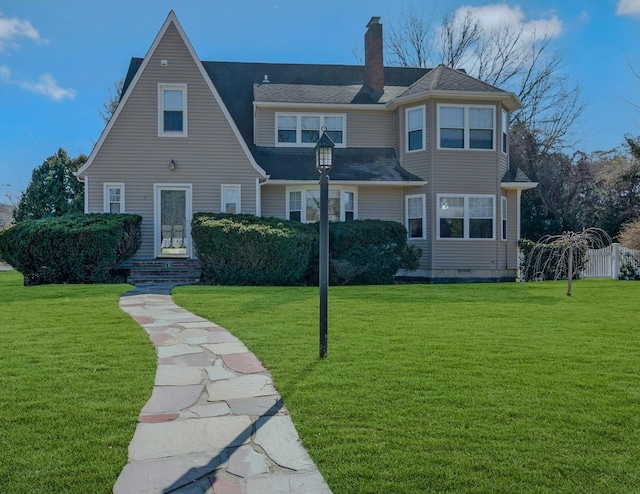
[(485, 388), (74, 373)]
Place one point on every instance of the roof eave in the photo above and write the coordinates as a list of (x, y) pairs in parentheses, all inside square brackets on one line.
[(378, 183), (328, 106), (518, 185), (510, 100)]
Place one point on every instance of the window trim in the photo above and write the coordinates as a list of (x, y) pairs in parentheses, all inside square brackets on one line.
[(424, 215), (162, 87), (423, 128), (303, 200), (236, 187), (299, 115), (106, 205), (467, 128), (466, 217), (503, 218)]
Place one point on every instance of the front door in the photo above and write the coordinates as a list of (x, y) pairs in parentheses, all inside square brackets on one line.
[(172, 220)]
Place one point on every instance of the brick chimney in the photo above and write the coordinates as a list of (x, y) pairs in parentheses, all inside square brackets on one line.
[(373, 66)]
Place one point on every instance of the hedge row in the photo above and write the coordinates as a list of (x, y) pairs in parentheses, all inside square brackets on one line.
[(78, 248), (247, 250)]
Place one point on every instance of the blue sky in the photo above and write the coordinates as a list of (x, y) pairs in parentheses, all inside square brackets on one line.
[(59, 59)]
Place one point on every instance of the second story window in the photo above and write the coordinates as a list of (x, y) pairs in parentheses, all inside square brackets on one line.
[(172, 110), (305, 129), (415, 129), (465, 127), (505, 130)]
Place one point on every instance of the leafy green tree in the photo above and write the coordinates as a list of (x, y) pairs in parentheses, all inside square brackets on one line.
[(54, 190)]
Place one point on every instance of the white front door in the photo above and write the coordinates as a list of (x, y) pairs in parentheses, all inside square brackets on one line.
[(172, 228)]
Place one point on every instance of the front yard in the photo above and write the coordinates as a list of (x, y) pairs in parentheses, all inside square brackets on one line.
[(427, 388), (453, 388), (74, 373)]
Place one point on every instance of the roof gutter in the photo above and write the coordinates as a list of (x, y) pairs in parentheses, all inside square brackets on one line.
[(377, 183), (518, 185)]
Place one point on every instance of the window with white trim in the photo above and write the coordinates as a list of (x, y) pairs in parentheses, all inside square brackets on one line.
[(114, 198), (416, 216), (505, 130), (466, 127), (230, 199), (415, 128), (304, 205), (503, 215), (466, 216), (305, 129), (172, 110)]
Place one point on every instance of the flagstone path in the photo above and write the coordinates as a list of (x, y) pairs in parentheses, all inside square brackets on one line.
[(215, 423)]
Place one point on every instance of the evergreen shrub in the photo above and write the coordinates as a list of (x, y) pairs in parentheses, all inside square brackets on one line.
[(75, 248), (236, 249)]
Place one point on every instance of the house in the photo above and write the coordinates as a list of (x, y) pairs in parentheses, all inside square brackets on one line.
[(424, 147)]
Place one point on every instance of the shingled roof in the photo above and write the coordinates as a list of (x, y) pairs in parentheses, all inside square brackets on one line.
[(240, 84)]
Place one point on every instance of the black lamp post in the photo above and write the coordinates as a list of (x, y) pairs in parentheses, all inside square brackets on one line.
[(324, 162)]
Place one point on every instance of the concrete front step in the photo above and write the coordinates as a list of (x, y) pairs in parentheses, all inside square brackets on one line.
[(164, 271)]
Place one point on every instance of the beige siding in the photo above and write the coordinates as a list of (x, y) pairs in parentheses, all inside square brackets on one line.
[(274, 201), (383, 203), (134, 154), (365, 128)]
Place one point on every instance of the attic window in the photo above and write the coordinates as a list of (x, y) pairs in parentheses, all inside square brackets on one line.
[(172, 110)]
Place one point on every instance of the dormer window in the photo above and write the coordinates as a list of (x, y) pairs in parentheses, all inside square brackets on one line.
[(305, 129), (172, 110)]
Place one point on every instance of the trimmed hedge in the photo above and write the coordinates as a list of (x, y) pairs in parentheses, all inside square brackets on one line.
[(77, 248), (369, 252), (247, 250)]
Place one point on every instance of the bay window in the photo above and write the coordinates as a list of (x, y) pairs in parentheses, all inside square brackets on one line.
[(415, 129), (416, 216), (466, 127), (466, 216)]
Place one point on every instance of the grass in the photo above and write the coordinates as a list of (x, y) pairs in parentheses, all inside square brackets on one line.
[(74, 373), (453, 388)]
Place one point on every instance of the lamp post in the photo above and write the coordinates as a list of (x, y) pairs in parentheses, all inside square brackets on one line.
[(324, 162)]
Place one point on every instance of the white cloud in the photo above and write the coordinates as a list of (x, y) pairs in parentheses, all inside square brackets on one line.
[(628, 7), (46, 85), (12, 28), (495, 16)]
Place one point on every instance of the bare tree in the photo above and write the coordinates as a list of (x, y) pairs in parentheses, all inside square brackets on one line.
[(409, 42), (560, 254), (511, 57), (110, 105)]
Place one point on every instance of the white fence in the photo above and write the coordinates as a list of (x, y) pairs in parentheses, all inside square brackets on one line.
[(606, 263)]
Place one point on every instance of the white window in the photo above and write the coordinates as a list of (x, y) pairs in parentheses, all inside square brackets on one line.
[(304, 205), (230, 197), (503, 214), (305, 129), (466, 216), (415, 129), (416, 216), (505, 130), (114, 198), (172, 110), (466, 127)]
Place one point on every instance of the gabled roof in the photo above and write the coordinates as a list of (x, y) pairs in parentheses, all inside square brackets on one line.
[(136, 68)]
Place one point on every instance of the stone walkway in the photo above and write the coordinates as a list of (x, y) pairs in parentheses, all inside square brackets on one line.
[(215, 423)]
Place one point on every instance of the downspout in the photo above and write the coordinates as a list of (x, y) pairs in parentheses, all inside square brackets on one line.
[(85, 182)]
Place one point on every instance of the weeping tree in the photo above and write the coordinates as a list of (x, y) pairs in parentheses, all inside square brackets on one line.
[(557, 256)]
